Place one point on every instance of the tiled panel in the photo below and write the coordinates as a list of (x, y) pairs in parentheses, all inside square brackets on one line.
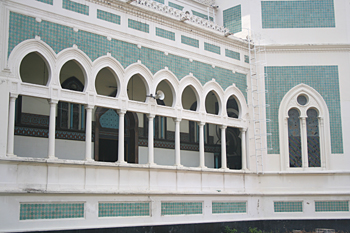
[(331, 206), (232, 54), (204, 16), (229, 207), (160, 1), (190, 41), (180, 208), (31, 211), (108, 16), (288, 206), (76, 7), (123, 209), (46, 1), (211, 48), (165, 34), (324, 79), (59, 37), (298, 14), (232, 18), (175, 6), (138, 25), (246, 58)]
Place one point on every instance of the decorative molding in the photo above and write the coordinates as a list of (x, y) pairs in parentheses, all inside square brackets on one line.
[(307, 48)]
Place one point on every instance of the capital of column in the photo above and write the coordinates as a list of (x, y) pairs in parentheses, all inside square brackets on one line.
[(52, 101), (121, 111), (13, 95), (177, 119), (89, 106), (151, 116), (243, 129), (201, 123), (223, 126)]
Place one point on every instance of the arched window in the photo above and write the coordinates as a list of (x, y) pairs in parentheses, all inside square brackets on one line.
[(304, 129)]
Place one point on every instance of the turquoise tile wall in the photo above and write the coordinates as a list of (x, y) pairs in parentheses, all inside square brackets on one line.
[(331, 206), (232, 54), (59, 37), (108, 16), (190, 41), (123, 209), (76, 7), (232, 18), (46, 1), (246, 58), (160, 1), (324, 79), (298, 14), (229, 207), (211, 48), (204, 16), (29, 211), (179, 208), (165, 34), (138, 25), (288, 206), (175, 6)]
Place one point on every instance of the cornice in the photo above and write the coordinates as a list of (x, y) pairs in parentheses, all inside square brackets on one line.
[(307, 48)]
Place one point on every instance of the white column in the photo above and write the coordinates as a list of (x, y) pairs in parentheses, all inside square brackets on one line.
[(305, 162), (223, 147), (244, 148), (150, 139), (324, 162), (201, 144), (121, 157), (177, 142), (52, 129), (11, 125), (88, 133)]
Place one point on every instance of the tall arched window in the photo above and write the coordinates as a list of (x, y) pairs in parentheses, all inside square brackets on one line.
[(304, 129)]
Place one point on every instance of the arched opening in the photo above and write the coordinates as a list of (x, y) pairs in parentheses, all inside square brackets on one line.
[(294, 136), (136, 88), (72, 69), (232, 107), (34, 69), (189, 98), (106, 83), (211, 103), (107, 135), (168, 93), (233, 148), (313, 138)]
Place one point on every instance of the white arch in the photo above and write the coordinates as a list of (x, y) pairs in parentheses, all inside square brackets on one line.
[(82, 59), (241, 101), (29, 46), (217, 89), (170, 77), (190, 80), (117, 70), (315, 100)]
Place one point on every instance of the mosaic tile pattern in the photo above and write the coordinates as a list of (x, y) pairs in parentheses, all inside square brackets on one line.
[(138, 25), (108, 16), (203, 16), (232, 18), (160, 1), (288, 206), (331, 206), (232, 54), (76, 7), (179, 208), (324, 79), (123, 209), (110, 119), (246, 58), (59, 37), (34, 120), (211, 48), (29, 211), (165, 34), (229, 207), (298, 14), (190, 41), (46, 1), (175, 6)]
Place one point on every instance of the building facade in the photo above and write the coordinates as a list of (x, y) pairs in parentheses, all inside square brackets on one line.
[(148, 113)]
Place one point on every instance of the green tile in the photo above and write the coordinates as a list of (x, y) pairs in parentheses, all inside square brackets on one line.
[(76, 7), (108, 16), (204, 16), (212, 48), (232, 19), (138, 25), (229, 207), (288, 206), (165, 34), (232, 54), (190, 41), (176, 6), (180, 208), (31, 211), (332, 206), (46, 1), (123, 209)]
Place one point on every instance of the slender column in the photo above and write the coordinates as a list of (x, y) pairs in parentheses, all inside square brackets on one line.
[(52, 129), (201, 144), (305, 162), (11, 125), (177, 142), (150, 139), (121, 158), (244, 148), (324, 161), (88, 133), (223, 147)]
